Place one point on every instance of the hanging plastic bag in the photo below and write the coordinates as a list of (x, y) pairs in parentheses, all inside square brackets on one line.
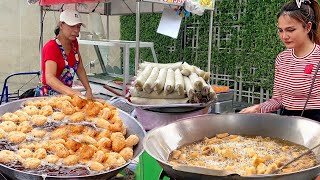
[(95, 25), (194, 7)]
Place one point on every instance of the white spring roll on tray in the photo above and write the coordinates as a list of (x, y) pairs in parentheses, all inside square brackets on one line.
[(196, 82), (170, 82), (149, 84), (206, 88), (188, 86), (142, 77), (161, 80), (173, 66), (154, 95), (179, 82), (148, 101)]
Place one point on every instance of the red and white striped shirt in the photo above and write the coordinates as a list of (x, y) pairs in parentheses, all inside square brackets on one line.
[(293, 78)]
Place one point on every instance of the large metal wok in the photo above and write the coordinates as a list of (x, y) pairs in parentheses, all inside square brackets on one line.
[(161, 141), (133, 127)]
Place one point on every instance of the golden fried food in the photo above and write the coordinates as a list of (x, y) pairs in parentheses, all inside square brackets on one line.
[(10, 117), (58, 116), (38, 120), (78, 101), (99, 156), (102, 123), (16, 137), (71, 160), (24, 127), (116, 126), (7, 156), (72, 145), (23, 116), (38, 133), (60, 150), (31, 110), (25, 153), (132, 140), (40, 153), (95, 166), (67, 108), (104, 142), (114, 159), (46, 110), (8, 126), (76, 129), (32, 163), (92, 108), (60, 132), (77, 117), (105, 113), (86, 151), (126, 153), (52, 159), (3, 133), (84, 139), (89, 131), (118, 141)]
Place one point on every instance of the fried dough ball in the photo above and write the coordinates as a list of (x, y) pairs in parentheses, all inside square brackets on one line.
[(72, 145), (86, 151), (60, 150), (116, 126), (7, 156), (38, 133), (24, 127), (77, 117), (71, 160), (114, 116), (8, 126), (85, 139), (104, 133), (77, 129), (16, 137), (126, 153), (58, 116), (78, 101), (10, 117), (38, 120), (46, 110), (65, 98), (40, 153), (67, 108), (23, 116), (32, 163), (104, 142), (3, 133), (118, 141), (99, 156), (31, 110), (92, 108), (52, 159), (89, 131), (24, 153), (132, 140), (60, 132), (95, 166), (115, 159), (102, 123), (105, 113), (124, 130)]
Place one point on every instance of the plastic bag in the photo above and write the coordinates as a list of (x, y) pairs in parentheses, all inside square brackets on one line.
[(194, 7)]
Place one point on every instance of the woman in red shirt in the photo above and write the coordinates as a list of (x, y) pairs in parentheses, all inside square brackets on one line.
[(61, 59), (295, 90)]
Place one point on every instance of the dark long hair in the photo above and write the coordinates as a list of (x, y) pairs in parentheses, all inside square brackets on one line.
[(309, 11), (57, 30)]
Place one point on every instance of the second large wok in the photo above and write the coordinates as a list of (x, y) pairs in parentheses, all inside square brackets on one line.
[(161, 141)]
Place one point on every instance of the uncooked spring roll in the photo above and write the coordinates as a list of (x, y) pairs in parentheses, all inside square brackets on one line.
[(155, 95), (170, 82), (148, 85), (173, 66), (196, 82), (179, 82), (148, 101), (142, 77), (206, 88), (188, 86), (159, 83)]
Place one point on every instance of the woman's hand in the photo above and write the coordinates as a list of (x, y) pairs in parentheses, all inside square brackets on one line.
[(89, 94), (251, 109)]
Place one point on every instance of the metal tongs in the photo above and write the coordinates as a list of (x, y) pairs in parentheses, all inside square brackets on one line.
[(203, 170), (294, 159)]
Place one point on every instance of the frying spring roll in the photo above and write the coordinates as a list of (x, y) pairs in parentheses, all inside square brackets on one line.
[(159, 83), (179, 82), (142, 77), (148, 85), (196, 82), (188, 87), (173, 66), (148, 101), (155, 95), (170, 82)]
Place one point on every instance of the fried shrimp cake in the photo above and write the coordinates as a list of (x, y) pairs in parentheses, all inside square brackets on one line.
[(118, 141), (67, 108), (16, 137), (72, 145), (95, 166), (38, 133), (8, 126), (38, 120), (126, 153), (132, 140), (40, 153), (99, 156), (71, 160), (77, 117), (24, 127), (102, 123), (23, 116), (104, 142), (58, 116), (86, 151), (60, 133), (7, 156), (114, 159), (10, 117), (60, 150), (3, 133), (31, 110), (52, 159), (105, 113), (78, 101), (24, 153), (32, 163), (92, 108), (46, 110)]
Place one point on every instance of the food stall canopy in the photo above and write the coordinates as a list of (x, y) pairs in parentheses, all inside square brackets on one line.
[(52, 2)]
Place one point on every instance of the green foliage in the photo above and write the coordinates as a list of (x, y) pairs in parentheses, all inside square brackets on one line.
[(246, 34)]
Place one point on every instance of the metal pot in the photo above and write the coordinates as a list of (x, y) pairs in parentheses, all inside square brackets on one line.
[(161, 141), (133, 127)]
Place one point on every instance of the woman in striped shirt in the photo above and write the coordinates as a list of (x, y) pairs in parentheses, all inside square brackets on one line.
[(298, 29)]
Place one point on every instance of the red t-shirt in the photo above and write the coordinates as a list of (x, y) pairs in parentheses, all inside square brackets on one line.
[(52, 52)]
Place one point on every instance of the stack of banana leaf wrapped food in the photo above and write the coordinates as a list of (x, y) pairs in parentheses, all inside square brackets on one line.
[(173, 83)]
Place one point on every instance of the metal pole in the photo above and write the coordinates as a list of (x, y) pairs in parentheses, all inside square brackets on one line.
[(137, 54), (41, 37), (210, 40)]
